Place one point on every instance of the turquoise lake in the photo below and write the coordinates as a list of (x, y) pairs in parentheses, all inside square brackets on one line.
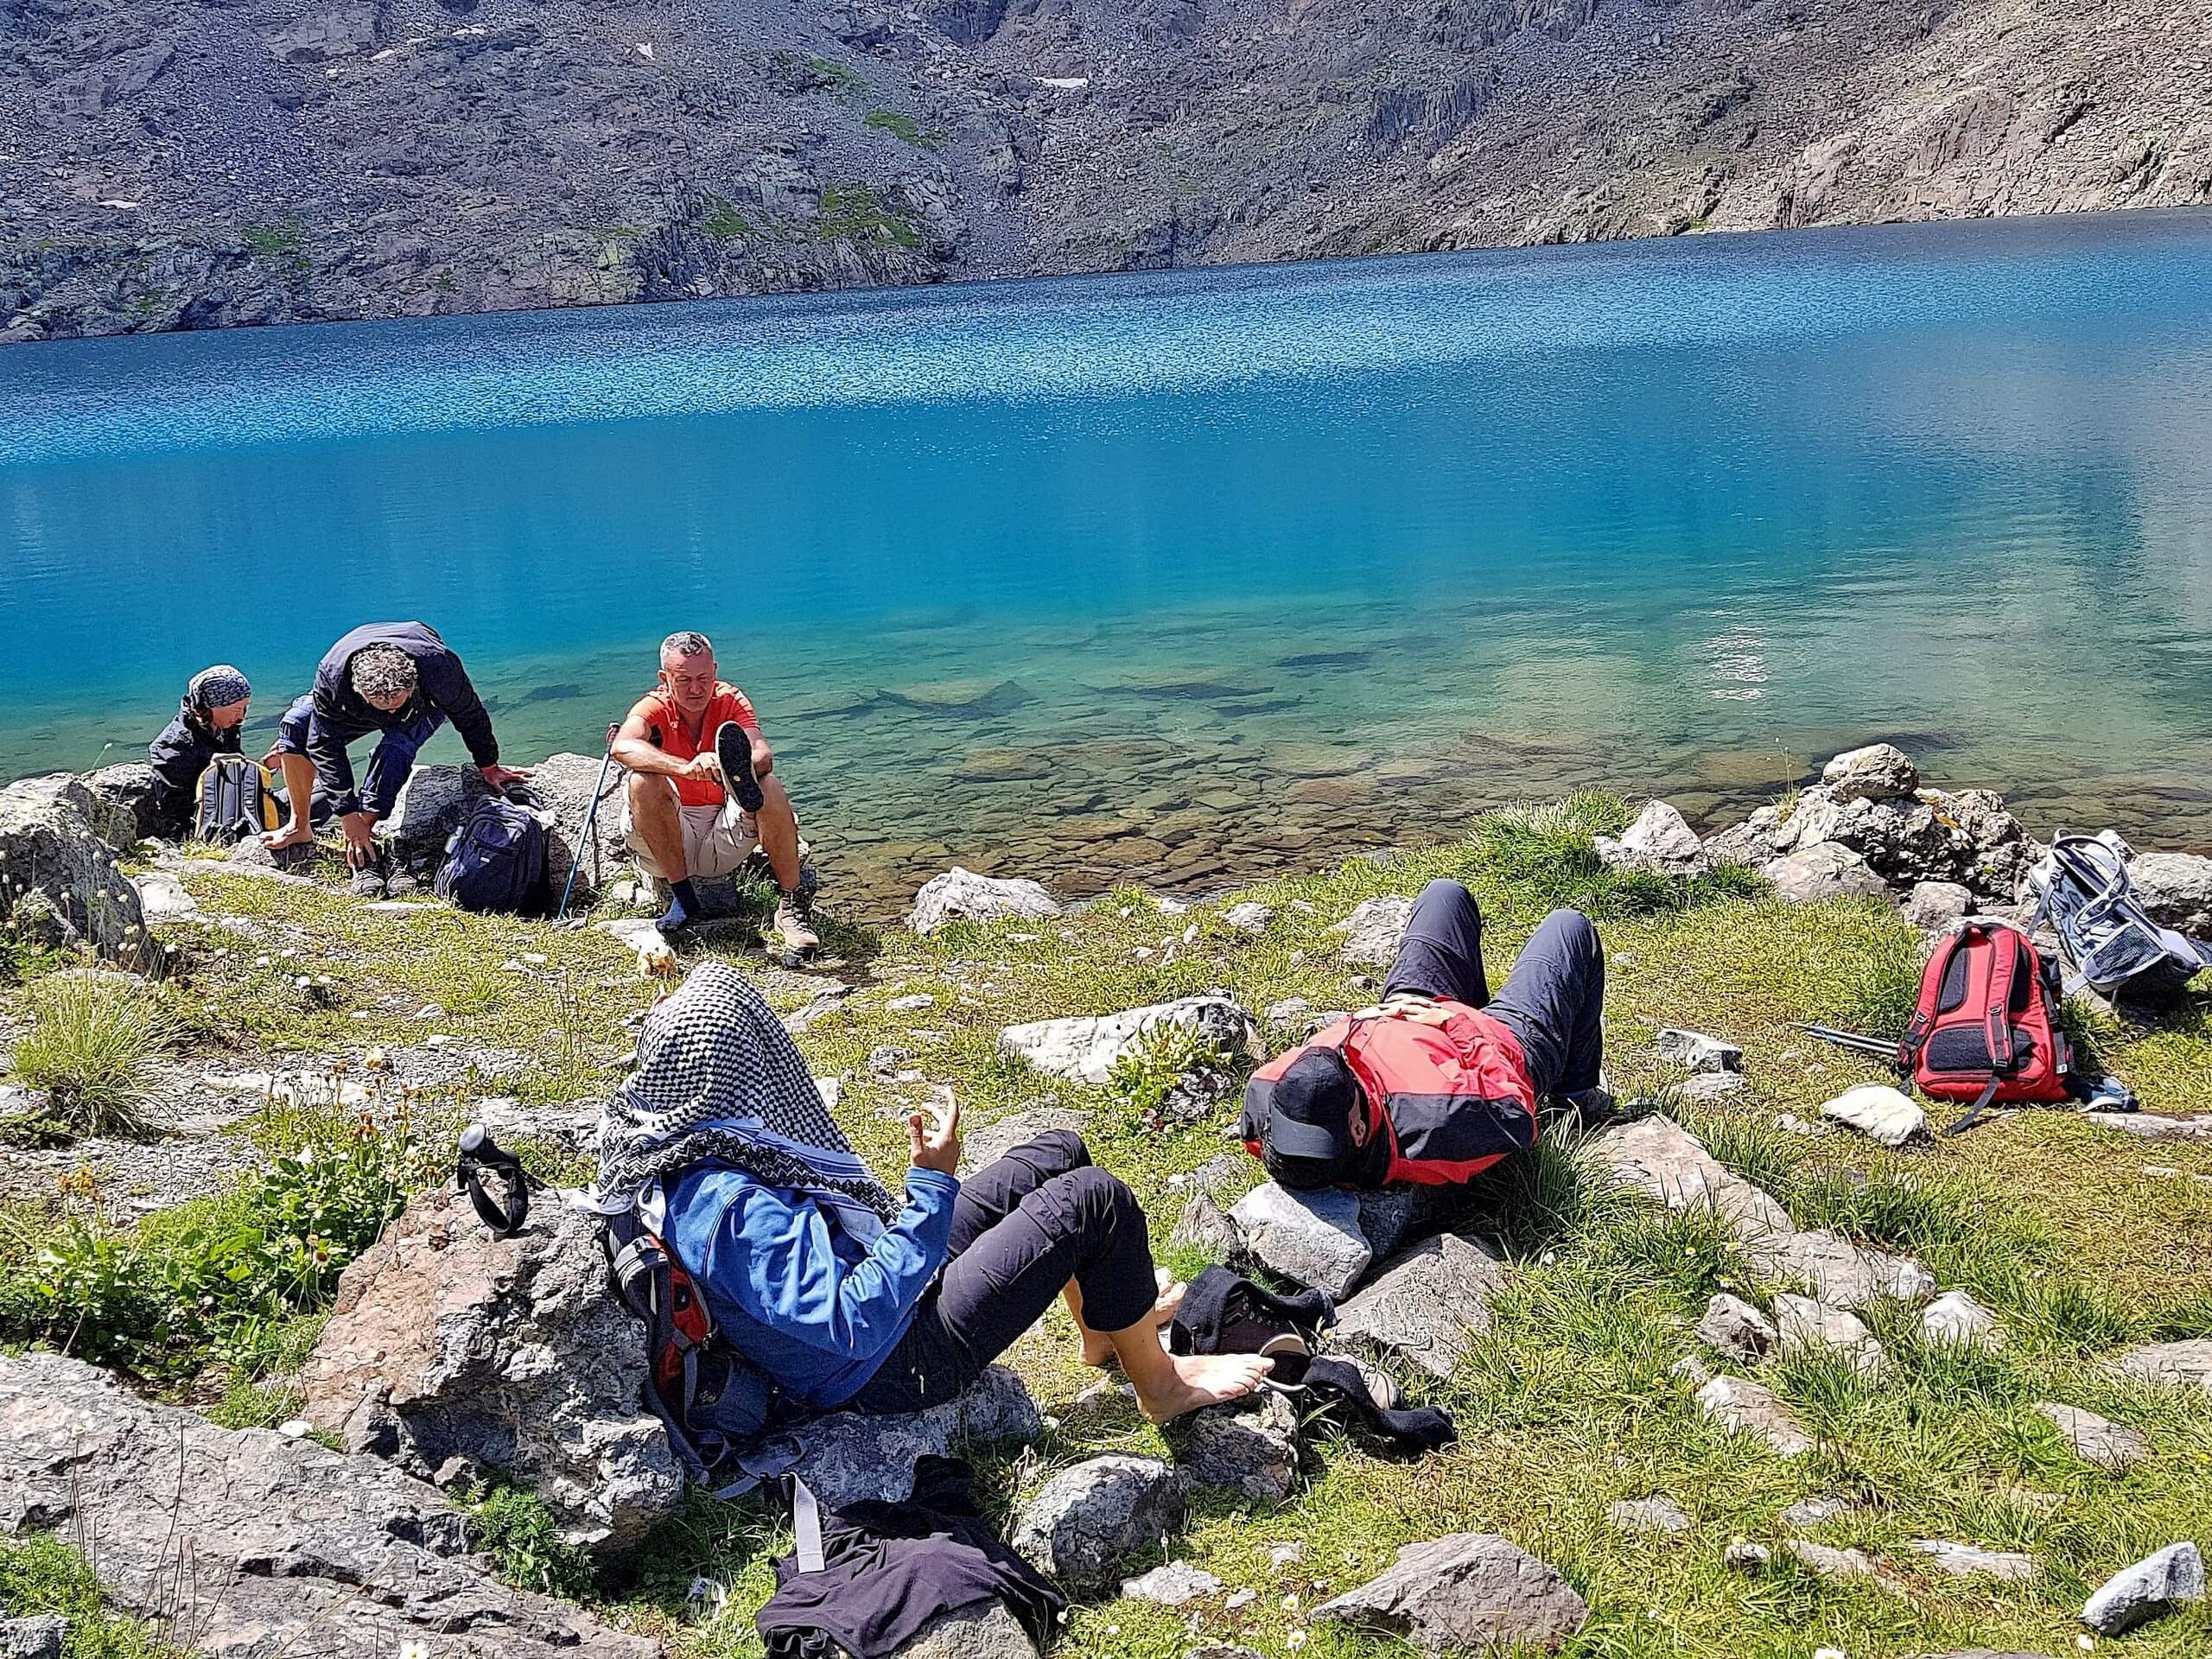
[(1179, 577)]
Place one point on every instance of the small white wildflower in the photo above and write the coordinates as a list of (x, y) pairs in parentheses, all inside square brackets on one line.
[(415, 1649), (1830, 1653), (2086, 1643), (1290, 1603), (1295, 1639)]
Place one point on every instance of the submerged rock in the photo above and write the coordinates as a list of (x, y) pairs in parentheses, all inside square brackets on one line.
[(1465, 1592)]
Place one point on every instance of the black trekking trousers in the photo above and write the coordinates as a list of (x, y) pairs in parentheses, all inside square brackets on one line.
[(1553, 1001), (1022, 1229)]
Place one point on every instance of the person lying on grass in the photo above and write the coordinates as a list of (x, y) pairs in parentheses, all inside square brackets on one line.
[(845, 1296), (1440, 1081), (702, 801), (400, 681)]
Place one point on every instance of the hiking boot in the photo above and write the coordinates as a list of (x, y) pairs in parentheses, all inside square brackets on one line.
[(734, 748), (402, 886), (368, 883), (794, 926)]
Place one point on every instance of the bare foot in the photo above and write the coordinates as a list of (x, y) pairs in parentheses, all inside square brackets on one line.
[(292, 834), (1203, 1380), (1097, 1352)]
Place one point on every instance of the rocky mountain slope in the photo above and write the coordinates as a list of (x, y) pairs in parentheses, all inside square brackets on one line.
[(186, 164)]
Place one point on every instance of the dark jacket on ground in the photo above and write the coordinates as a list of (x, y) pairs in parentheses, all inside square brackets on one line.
[(342, 715), (178, 756)]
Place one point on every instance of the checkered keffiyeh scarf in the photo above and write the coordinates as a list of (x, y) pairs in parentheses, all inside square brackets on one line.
[(719, 1080)]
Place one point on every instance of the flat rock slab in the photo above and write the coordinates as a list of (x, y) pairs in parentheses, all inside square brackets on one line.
[(1084, 1049), (1466, 1591), (848, 1457), (1738, 1404), (2096, 1440), (1648, 1514), (1374, 929), (995, 1139), (1842, 1274), (1840, 1565), (1172, 1584), (1808, 1512), (1973, 1562), (294, 1547), (2178, 1364), (2154, 1126), (1887, 1116), (2153, 1586), (1310, 1239), (1661, 1159), (1086, 1521), (511, 1354), (1427, 1307)]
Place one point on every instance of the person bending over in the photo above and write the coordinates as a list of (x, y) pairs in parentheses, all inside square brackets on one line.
[(702, 799), (844, 1295), (1441, 1080), (400, 681), (208, 722)]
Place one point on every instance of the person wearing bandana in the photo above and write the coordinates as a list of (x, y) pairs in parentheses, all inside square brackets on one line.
[(209, 722)]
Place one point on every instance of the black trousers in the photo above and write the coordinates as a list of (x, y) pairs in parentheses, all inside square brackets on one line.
[(1553, 1001), (1021, 1228)]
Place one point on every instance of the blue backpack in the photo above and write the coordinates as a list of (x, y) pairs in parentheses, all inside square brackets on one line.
[(496, 861)]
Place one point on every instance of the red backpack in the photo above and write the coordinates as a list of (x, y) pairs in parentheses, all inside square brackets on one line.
[(1986, 1029)]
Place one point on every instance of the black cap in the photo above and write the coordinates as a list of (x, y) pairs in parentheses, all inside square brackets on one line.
[(1310, 1107)]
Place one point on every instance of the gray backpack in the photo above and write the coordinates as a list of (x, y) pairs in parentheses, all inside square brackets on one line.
[(2082, 889)]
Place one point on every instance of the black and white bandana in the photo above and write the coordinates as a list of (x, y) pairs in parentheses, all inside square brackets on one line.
[(719, 1080), (215, 688)]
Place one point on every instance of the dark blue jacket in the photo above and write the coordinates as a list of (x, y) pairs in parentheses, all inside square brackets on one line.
[(791, 1290), (342, 715)]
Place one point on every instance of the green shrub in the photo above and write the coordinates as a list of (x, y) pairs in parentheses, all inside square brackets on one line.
[(1151, 1070), (1535, 859), (90, 1048), (516, 1529), (39, 1574), (902, 126)]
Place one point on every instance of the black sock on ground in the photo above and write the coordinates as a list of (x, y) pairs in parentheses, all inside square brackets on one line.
[(683, 909)]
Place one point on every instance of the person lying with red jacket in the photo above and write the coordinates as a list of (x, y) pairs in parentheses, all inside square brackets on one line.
[(1441, 1080)]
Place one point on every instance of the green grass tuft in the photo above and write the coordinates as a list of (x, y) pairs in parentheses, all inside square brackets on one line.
[(903, 127), (39, 1574), (91, 1047)]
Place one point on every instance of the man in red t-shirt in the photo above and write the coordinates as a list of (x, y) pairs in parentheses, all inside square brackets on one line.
[(701, 801)]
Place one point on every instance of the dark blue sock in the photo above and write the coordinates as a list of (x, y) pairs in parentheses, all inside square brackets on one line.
[(683, 909)]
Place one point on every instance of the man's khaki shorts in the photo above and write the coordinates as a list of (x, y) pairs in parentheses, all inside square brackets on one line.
[(711, 848)]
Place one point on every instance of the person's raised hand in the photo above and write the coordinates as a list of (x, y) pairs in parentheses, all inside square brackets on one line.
[(933, 1138), (764, 757)]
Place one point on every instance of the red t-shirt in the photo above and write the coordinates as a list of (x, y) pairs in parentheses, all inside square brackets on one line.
[(665, 731)]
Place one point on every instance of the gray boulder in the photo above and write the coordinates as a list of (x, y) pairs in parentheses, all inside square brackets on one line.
[(1373, 930), (1084, 1049), (1393, 1218), (346, 31), (1427, 1307), (1842, 1274), (1204, 1226), (1697, 1050), (1937, 906), (59, 884), (995, 1139), (1088, 1520), (120, 794), (1310, 1239), (431, 805), (1465, 1592), (1734, 1327), (560, 789), (962, 893), (283, 1536), (992, 1633), (1249, 916), (1249, 1446), (1172, 1584), (2176, 889), (848, 1457), (40, 1636), (1751, 845), (1660, 841), (1825, 869), (1804, 1323), (509, 1355), (1880, 772), (2151, 1587)]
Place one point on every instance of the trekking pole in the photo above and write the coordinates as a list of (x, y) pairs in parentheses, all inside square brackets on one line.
[(591, 818), (482, 1160), (1850, 1039)]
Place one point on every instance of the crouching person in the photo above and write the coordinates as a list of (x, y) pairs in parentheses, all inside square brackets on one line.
[(842, 1294), (210, 721), (1441, 1080)]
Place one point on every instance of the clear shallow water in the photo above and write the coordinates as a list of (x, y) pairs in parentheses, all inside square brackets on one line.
[(1179, 576)]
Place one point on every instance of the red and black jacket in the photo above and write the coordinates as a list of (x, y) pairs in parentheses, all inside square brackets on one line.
[(1446, 1086)]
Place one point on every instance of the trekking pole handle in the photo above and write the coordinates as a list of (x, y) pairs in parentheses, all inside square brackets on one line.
[(481, 1157)]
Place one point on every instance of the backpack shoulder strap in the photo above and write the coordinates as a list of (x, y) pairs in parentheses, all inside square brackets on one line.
[(1997, 1008), (1924, 1015)]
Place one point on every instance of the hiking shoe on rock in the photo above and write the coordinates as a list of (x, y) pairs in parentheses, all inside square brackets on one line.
[(368, 883), (734, 748), (794, 925)]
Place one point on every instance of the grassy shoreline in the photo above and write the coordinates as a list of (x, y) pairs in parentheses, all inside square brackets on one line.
[(1566, 1405)]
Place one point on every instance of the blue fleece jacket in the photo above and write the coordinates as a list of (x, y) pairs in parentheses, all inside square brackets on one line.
[(792, 1290)]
